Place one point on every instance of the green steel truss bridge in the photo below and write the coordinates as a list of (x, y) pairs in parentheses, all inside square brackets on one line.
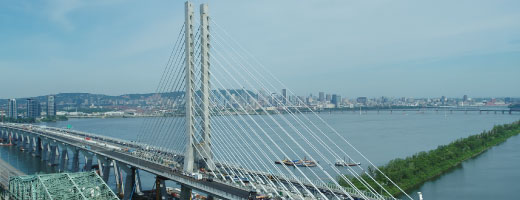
[(81, 185), (223, 142)]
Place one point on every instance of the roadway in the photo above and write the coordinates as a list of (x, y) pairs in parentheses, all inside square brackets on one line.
[(216, 187), (151, 167)]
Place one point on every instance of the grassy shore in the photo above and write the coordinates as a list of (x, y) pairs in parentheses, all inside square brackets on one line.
[(413, 171)]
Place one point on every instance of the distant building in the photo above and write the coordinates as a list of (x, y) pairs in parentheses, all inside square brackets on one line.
[(33, 108), (12, 110), (301, 100), (321, 97), (336, 100), (284, 96), (362, 100), (507, 100), (384, 99), (51, 106), (328, 97), (272, 100), (444, 100), (492, 102), (465, 98), (309, 100)]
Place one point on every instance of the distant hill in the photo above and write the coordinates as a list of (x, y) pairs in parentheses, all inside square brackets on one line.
[(87, 99)]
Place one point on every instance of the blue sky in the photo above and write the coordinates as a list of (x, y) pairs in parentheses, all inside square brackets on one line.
[(354, 48)]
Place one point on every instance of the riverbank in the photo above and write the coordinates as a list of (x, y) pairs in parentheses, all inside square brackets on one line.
[(413, 171)]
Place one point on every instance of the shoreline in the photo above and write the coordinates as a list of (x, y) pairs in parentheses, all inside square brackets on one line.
[(324, 111), (429, 165), (454, 166)]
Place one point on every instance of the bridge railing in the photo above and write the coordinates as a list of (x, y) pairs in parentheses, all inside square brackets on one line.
[(206, 188), (104, 139), (121, 142), (85, 134)]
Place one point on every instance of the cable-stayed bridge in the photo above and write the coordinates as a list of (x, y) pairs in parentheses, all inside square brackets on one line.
[(220, 141)]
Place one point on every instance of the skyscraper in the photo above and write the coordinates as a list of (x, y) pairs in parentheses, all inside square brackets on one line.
[(51, 106), (336, 100), (465, 98), (362, 100), (444, 100), (328, 97), (507, 100), (309, 100), (321, 97), (33, 108), (284, 96), (12, 110)]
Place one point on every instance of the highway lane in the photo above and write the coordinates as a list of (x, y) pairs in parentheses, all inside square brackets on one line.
[(151, 167), (102, 147)]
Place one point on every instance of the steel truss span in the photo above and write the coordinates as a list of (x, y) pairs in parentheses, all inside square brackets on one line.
[(74, 186)]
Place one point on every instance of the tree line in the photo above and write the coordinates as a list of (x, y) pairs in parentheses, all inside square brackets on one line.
[(413, 171), (17, 120), (33, 120)]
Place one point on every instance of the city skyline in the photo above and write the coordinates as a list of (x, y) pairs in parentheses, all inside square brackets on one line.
[(172, 103), (314, 94), (369, 50)]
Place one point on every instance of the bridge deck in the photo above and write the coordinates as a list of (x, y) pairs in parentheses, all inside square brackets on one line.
[(218, 189)]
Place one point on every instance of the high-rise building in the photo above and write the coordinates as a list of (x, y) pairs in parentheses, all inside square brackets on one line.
[(33, 108), (51, 106), (465, 98), (321, 97), (384, 99), (362, 100), (12, 110), (284, 96), (336, 100), (507, 100), (444, 100), (309, 100), (328, 97)]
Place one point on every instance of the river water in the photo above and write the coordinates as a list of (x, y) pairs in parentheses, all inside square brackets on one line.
[(379, 136)]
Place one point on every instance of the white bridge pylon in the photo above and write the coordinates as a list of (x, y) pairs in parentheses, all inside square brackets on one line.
[(197, 150), (259, 137)]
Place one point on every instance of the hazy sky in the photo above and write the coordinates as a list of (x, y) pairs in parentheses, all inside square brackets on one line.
[(354, 48)]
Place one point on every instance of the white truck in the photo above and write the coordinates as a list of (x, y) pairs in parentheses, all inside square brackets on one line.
[(197, 176)]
